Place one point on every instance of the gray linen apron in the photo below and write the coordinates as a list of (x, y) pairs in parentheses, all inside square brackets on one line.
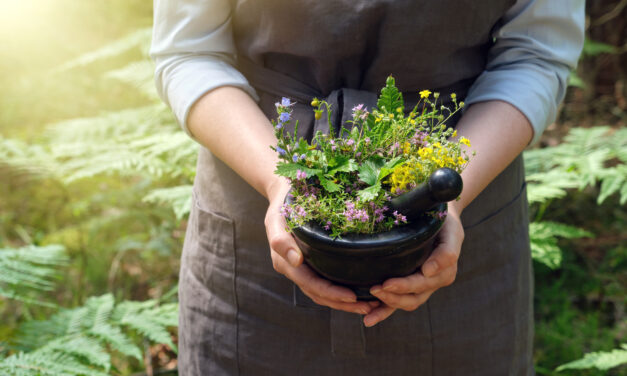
[(240, 317)]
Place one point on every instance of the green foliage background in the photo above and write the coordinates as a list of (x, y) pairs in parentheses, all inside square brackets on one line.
[(95, 182)]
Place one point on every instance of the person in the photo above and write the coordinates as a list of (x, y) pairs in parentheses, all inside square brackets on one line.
[(248, 304)]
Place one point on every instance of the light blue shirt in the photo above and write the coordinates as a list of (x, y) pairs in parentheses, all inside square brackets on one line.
[(536, 46)]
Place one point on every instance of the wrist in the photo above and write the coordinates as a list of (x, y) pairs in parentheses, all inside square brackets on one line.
[(455, 207), (277, 188)]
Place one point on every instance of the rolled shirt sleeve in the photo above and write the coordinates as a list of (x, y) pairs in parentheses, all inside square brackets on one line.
[(193, 49), (536, 47)]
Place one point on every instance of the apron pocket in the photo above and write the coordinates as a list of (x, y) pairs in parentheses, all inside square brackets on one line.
[(208, 305)]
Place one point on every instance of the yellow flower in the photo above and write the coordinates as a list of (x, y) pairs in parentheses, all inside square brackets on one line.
[(453, 96), (460, 161), (455, 133), (425, 152), (464, 141), (425, 94), (406, 148)]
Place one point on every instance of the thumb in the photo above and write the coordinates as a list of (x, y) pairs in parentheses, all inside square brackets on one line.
[(280, 240)]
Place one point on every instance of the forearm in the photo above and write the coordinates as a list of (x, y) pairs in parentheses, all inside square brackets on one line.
[(230, 124), (498, 132)]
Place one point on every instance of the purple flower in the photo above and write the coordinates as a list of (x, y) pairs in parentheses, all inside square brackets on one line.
[(399, 218), (295, 157), (328, 226), (360, 112), (441, 214), (286, 210), (280, 150), (303, 157), (279, 125), (419, 138), (300, 175), (285, 102), (284, 117), (367, 140), (349, 142)]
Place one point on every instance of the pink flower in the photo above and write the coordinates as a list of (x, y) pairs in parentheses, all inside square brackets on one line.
[(300, 175)]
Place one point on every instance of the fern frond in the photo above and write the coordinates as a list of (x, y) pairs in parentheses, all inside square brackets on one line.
[(138, 39), (45, 364), (139, 74), (543, 237), (29, 269), (581, 161), (81, 347), (119, 341), (149, 319), (179, 198), (602, 360)]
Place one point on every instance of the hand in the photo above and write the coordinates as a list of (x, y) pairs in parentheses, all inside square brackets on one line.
[(287, 259), (409, 293)]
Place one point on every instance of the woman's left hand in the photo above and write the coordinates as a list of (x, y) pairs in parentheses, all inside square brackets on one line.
[(409, 293)]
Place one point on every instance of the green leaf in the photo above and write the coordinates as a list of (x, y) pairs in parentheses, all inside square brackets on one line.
[(370, 193), (289, 170), (547, 252), (601, 360), (328, 185), (593, 48), (576, 81), (543, 237), (390, 98), (342, 164), (302, 147), (388, 168), (610, 184), (87, 348), (29, 269), (369, 172)]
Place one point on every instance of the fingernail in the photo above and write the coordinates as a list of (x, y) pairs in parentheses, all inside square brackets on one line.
[(390, 288), (375, 290), (293, 257), (349, 300), (363, 311), (430, 268), (369, 322)]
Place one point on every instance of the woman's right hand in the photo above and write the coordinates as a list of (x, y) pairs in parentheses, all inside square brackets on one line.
[(287, 259)]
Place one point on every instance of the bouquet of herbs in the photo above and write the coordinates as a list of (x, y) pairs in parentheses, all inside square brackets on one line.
[(343, 180)]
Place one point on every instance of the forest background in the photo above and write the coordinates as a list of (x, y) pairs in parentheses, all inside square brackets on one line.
[(95, 180)]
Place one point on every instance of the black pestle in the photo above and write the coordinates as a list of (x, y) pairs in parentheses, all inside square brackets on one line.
[(444, 185)]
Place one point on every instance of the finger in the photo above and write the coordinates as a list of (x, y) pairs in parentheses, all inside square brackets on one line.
[(312, 284), (280, 240), (406, 302), (417, 283), (362, 308), (446, 253), (378, 314)]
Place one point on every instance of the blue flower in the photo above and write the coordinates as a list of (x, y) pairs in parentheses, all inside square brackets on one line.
[(284, 117), (279, 125), (280, 150), (295, 157), (285, 102)]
